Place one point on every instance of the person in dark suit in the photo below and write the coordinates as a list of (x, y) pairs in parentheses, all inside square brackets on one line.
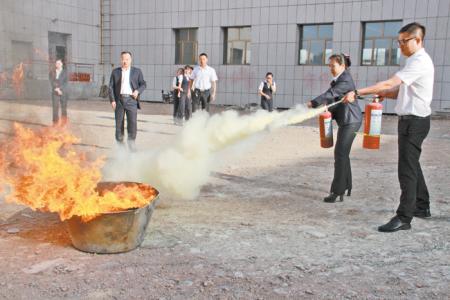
[(125, 86), (266, 90), (348, 117), (59, 82)]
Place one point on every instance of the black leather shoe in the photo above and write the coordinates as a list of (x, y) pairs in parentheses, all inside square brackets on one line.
[(394, 224), (422, 213), (349, 192), (332, 198)]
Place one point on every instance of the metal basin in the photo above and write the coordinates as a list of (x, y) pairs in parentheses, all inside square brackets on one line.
[(112, 232)]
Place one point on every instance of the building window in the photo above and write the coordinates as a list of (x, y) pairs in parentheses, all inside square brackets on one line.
[(237, 45), (316, 44), (380, 46), (185, 46)]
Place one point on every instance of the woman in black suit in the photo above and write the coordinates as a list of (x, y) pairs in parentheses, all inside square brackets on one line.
[(348, 117)]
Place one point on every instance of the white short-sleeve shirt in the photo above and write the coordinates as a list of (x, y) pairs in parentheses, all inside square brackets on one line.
[(261, 85), (203, 77), (416, 91)]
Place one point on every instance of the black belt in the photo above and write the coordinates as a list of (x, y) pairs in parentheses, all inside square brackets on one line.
[(411, 117), (202, 91), (125, 96)]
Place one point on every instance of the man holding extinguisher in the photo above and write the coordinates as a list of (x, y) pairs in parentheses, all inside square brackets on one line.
[(412, 86)]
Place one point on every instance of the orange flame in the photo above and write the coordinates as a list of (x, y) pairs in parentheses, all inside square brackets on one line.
[(46, 172), (17, 79)]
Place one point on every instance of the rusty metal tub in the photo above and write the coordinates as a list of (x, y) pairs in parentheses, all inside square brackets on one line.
[(112, 232)]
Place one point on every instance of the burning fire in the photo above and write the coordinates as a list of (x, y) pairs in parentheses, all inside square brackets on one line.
[(44, 171), (17, 79)]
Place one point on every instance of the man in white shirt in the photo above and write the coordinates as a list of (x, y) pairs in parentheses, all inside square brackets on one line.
[(126, 85), (204, 78), (412, 86)]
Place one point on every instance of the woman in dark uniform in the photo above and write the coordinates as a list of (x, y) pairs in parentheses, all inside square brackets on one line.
[(266, 90), (348, 117)]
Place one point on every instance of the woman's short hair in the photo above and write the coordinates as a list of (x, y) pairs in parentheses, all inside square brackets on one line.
[(342, 59)]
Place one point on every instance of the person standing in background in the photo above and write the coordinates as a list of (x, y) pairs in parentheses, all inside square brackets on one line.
[(176, 92), (59, 82), (205, 86), (266, 90), (188, 108), (125, 86)]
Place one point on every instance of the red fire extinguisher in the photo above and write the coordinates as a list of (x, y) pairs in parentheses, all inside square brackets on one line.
[(372, 125), (326, 130)]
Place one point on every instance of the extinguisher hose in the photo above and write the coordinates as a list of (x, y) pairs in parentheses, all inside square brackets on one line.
[(327, 107), (334, 104)]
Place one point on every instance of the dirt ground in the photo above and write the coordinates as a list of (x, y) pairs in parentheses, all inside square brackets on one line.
[(258, 230)]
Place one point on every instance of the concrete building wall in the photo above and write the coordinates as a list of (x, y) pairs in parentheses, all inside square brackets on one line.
[(31, 21), (146, 27)]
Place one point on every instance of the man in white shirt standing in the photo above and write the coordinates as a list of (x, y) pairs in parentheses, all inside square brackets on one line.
[(412, 86), (204, 85), (126, 85)]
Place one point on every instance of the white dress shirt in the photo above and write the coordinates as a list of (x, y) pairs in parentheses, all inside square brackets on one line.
[(203, 77), (125, 87), (416, 91), (261, 85), (58, 72)]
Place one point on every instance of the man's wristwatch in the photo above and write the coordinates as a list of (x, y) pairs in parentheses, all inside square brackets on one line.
[(356, 93)]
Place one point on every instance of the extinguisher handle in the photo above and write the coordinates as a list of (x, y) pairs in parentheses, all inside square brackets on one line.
[(374, 98)]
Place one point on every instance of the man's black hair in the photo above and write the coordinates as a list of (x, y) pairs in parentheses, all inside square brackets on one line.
[(125, 52), (414, 28)]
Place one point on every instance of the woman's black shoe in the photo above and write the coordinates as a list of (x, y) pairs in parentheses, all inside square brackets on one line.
[(349, 192), (332, 198)]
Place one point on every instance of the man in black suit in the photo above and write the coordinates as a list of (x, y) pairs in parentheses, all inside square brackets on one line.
[(59, 81), (125, 86)]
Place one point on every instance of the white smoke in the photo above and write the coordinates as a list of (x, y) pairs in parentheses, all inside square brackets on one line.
[(184, 166)]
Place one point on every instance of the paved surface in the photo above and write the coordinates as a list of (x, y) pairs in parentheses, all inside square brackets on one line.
[(258, 230)]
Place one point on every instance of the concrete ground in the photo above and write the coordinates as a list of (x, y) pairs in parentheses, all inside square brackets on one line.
[(258, 230)]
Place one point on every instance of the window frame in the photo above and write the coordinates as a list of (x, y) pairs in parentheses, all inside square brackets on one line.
[(247, 46), (393, 39), (181, 44), (324, 44)]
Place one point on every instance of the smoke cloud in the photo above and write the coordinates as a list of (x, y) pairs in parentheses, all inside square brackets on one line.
[(183, 167)]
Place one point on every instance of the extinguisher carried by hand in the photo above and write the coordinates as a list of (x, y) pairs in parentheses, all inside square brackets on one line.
[(372, 125), (326, 129)]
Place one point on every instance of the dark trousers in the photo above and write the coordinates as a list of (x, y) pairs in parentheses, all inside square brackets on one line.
[(188, 108), (201, 98), (56, 101), (414, 193), (184, 109), (267, 104), (126, 106), (176, 103), (342, 179)]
